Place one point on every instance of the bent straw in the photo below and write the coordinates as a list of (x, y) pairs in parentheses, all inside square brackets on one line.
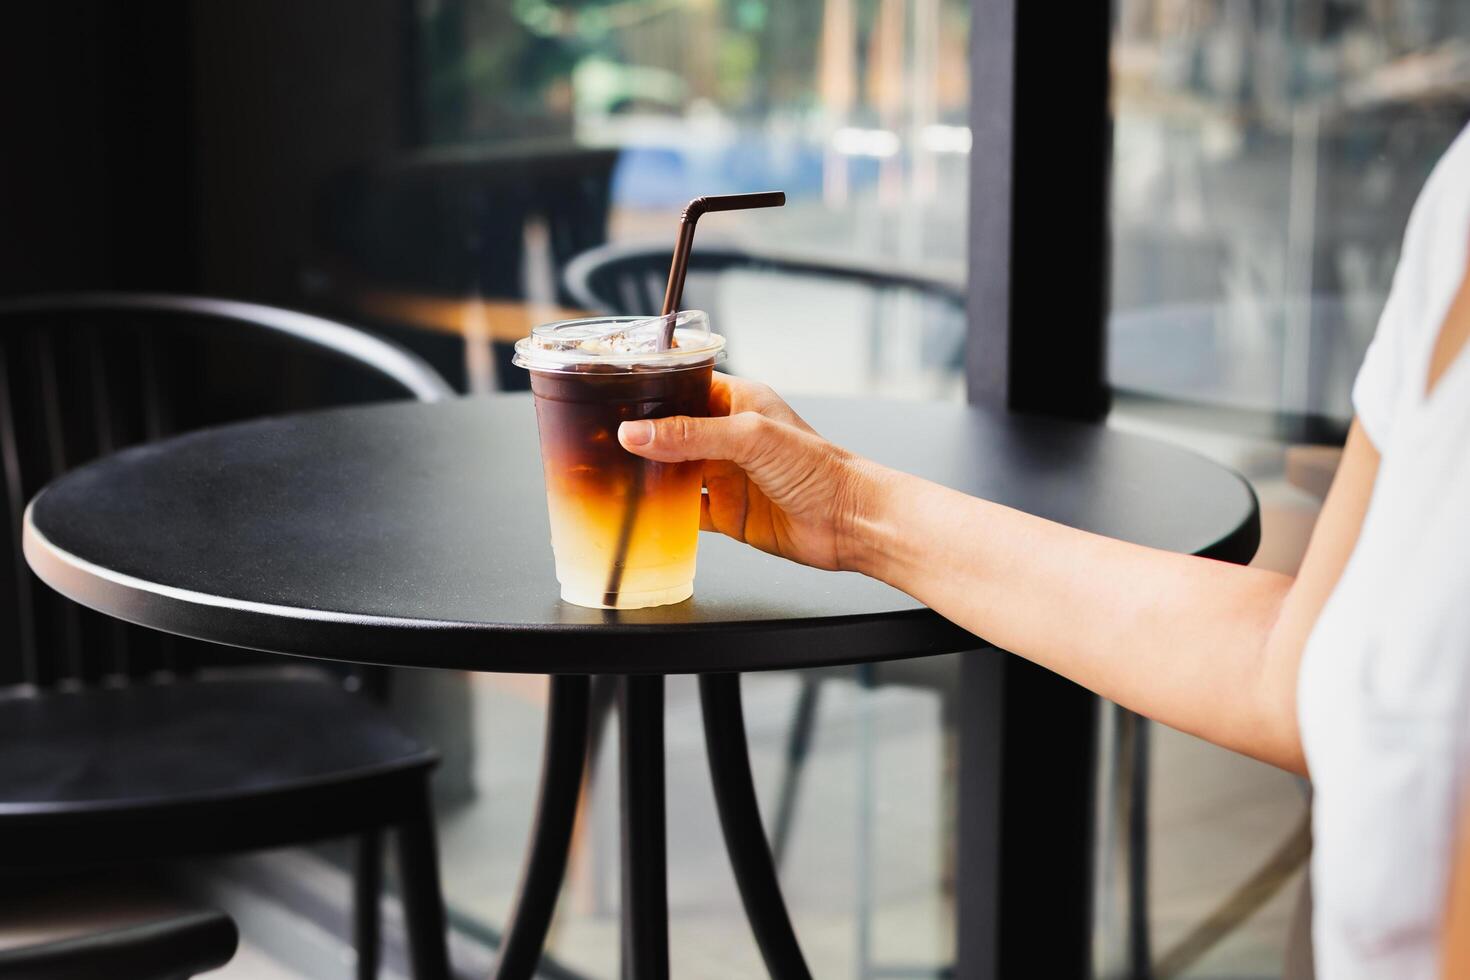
[(679, 268), (673, 293)]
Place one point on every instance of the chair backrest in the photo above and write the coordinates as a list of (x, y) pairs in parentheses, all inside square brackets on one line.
[(629, 279), (876, 305), (86, 374)]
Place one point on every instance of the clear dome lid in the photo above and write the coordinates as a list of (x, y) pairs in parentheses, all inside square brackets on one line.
[(630, 342)]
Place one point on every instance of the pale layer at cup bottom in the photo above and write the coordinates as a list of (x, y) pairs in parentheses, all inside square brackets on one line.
[(585, 583), (627, 600)]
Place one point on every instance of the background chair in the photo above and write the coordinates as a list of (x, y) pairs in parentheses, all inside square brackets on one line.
[(629, 279), (458, 225), (125, 745), (166, 949)]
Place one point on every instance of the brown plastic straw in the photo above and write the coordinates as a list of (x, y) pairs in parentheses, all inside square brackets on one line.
[(673, 293), (679, 268)]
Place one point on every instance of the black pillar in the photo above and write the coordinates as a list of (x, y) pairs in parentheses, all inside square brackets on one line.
[(1038, 259), (1038, 302)]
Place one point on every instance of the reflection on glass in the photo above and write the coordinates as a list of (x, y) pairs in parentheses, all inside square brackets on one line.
[(1266, 156), (546, 129)]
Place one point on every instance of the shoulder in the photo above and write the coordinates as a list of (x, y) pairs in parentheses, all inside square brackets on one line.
[(1454, 166), (1429, 267), (1438, 212), (1433, 215)]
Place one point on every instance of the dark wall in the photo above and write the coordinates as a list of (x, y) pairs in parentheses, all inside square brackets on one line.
[(288, 95), (274, 150), (180, 145), (96, 163)]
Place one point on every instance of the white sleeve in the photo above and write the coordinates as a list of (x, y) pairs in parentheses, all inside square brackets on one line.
[(1377, 387), (1384, 377)]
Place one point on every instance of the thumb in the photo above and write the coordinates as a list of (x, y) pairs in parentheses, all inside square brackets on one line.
[(737, 438)]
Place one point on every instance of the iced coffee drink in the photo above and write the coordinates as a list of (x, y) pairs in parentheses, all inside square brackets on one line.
[(624, 530)]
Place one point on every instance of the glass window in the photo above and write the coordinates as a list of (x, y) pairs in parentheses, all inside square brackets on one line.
[(547, 129), (1266, 156)]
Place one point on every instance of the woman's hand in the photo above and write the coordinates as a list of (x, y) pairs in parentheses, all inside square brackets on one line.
[(773, 482)]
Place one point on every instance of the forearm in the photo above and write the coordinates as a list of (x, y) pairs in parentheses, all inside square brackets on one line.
[(1203, 646), (1183, 640)]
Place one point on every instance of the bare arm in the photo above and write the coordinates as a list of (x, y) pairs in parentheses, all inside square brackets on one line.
[(1203, 646)]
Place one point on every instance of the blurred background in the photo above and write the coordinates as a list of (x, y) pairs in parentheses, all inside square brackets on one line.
[(448, 173)]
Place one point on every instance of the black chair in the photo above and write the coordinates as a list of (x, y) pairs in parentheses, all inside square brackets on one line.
[(166, 949), (126, 745), (451, 221), (629, 279)]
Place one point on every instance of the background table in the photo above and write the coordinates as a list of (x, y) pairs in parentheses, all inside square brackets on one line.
[(482, 329), (415, 535)]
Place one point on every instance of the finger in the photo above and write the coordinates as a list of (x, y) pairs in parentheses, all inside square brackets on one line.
[(706, 522), (738, 438)]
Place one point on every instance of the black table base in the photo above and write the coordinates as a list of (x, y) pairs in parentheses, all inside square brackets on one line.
[(645, 863), (645, 935), (740, 819), (563, 759)]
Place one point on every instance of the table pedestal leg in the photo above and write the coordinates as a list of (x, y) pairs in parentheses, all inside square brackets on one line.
[(551, 830), (645, 877), (1027, 760), (745, 840)]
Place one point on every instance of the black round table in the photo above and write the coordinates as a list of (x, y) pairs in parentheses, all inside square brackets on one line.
[(416, 535)]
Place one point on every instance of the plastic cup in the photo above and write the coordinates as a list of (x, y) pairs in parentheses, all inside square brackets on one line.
[(624, 530)]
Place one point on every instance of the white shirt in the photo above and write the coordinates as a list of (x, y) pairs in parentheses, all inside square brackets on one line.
[(1384, 690)]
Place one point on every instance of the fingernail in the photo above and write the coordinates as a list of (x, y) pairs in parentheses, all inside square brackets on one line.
[(636, 433)]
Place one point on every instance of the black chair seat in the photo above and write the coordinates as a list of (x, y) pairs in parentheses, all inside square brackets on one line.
[(156, 747), (167, 949)]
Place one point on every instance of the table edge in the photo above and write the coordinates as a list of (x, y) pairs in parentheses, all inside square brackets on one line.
[(367, 638), (583, 648)]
